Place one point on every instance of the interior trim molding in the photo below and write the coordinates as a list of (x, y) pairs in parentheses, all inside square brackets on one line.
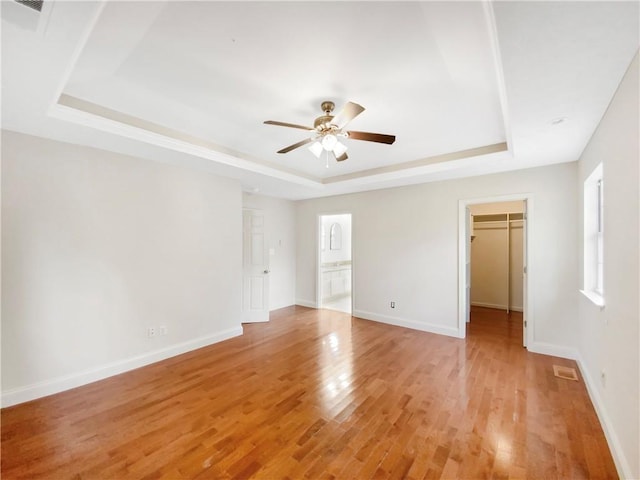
[(407, 323), (18, 395), (306, 303), (496, 306), (553, 350), (423, 162), (90, 114), (282, 305), (619, 458), (499, 70)]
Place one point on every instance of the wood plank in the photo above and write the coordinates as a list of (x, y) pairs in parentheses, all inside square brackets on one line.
[(319, 394)]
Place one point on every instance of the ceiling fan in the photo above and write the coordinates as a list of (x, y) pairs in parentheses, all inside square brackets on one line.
[(328, 128)]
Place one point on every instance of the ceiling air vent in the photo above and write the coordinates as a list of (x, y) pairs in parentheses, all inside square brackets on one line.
[(34, 4)]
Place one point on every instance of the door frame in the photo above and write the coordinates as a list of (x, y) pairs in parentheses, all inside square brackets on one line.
[(319, 256), (463, 234)]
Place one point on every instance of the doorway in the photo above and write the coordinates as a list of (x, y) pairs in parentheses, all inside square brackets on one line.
[(497, 255), (497, 269), (493, 250), (335, 263)]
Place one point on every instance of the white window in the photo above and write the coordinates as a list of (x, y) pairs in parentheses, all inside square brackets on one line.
[(593, 281), (599, 238)]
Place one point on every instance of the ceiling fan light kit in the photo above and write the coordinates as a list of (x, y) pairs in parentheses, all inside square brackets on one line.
[(327, 128), (316, 149), (339, 149)]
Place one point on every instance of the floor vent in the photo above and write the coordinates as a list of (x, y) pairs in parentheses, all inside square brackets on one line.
[(35, 4), (567, 373)]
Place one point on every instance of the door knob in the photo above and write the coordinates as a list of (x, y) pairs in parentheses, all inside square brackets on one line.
[(267, 271)]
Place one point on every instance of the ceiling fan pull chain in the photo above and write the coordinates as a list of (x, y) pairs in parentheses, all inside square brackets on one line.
[(327, 157)]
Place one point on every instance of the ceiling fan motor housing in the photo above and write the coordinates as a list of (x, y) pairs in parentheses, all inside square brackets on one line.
[(323, 122)]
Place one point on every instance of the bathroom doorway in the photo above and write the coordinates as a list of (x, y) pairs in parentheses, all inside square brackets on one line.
[(335, 267)]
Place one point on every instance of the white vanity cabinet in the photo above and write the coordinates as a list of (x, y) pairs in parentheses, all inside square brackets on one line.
[(336, 280)]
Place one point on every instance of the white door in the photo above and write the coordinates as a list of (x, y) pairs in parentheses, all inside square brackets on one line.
[(255, 281), (525, 262)]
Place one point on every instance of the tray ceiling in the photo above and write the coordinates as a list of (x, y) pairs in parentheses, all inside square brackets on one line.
[(466, 87)]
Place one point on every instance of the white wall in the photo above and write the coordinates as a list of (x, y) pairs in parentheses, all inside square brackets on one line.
[(608, 339), (280, 232), (405, 249), (96, 248)]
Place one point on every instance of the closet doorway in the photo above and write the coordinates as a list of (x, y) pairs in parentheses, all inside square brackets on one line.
[(334, 266), (497, 256), (493, 261)]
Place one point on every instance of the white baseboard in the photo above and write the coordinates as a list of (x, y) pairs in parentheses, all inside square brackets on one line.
[(402, 322), (280, 306), (619, 458), (496, 306), (67, 382), (553, 350), (306, 303)]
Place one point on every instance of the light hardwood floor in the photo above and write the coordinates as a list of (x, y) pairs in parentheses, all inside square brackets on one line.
[(318, 394)]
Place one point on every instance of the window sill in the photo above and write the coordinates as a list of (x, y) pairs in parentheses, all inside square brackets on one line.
[(595, 298)]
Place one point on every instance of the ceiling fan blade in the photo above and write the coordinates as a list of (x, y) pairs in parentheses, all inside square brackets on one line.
[(285, 124), (372, 137), (349, 112), (296, 145), (342, 157)]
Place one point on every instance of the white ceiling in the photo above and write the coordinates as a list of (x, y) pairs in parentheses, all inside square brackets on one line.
[(467, 87)]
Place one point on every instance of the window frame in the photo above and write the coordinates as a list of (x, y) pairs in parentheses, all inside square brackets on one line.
[(593, 248)]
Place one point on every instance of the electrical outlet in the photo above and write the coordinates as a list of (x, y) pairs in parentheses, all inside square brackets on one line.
[(163, 330), (393, 304), (151, 332)]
